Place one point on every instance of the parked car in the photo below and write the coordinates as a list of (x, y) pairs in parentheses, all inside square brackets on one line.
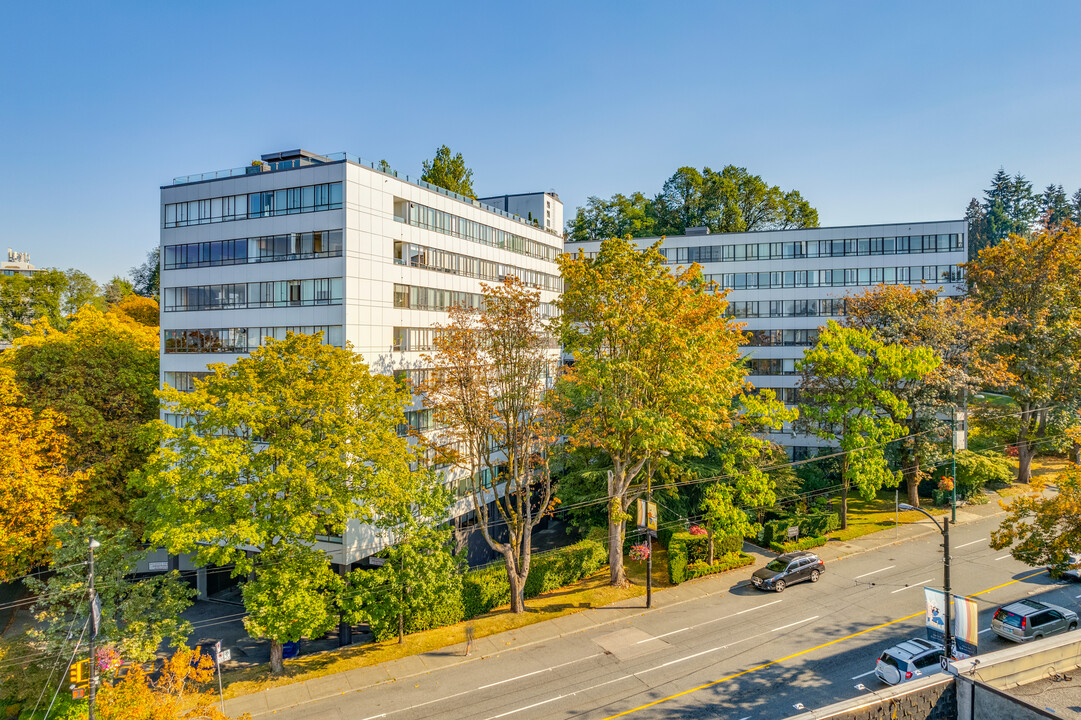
[(1073, 571), (787, 569), (1031, 620), (911, 659)]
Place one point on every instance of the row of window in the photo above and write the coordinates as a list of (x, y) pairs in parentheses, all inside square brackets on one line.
[(839, 277), (781, 338), (903, 245), (771, 366), (290, 201), (239, 340), (184, 381), (274, 293), (823, 307), (455, 264), (439, 221), (270, 248), (408, 339), (413, 297)]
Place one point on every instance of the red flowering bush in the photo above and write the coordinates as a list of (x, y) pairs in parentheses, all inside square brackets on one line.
[(697, 530)]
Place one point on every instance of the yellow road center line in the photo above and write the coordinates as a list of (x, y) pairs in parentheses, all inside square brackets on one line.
[(803, 652)]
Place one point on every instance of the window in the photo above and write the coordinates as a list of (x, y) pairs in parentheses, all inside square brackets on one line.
[(322, 291), (401, 296), (235, 340), (287, 201)]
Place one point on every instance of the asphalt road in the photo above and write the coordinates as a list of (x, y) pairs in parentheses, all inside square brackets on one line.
[(744, 654)]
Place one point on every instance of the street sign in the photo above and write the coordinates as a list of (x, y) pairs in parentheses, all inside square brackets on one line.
[(225, 655), (793, 532), (377, 562)]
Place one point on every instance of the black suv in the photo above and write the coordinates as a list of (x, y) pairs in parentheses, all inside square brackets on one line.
[(788, 569)]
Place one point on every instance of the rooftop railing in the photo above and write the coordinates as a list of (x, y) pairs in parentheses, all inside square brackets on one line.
[(349, 157)]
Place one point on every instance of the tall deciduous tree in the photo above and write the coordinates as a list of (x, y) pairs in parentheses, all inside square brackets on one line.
[(136, 615), (1034, 282), (960, 334), (25, 299), (449, 172), (100, 374), (1044, 529), (490, 373), (656, 367), (37, 486), (278, 448), (847, 384), (145, 278), (729, 200)]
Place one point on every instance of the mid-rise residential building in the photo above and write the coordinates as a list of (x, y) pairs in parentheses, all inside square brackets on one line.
[(329, 243), (541, 209), (785, 284), (18, 263)]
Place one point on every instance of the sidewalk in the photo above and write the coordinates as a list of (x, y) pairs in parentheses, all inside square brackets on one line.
[(282, 697)]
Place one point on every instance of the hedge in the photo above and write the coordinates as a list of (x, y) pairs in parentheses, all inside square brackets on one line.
[(664, 536), (685, 549), (812, 524), (802, 544), (487, 588), (725, 563)]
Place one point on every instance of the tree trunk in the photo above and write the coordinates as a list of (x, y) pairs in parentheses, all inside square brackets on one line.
[(1033, 428), (1075, 453), (1025, 452), (844, 504), (277, 665), (711, 547), (910, 467), (615, 552), (517, 590), (401, 627)]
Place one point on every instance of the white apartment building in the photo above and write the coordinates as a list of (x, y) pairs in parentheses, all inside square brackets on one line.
[(18, 263), (785, 284), (307, 243)]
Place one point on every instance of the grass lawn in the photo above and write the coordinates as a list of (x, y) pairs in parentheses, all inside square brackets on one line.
[(869, 516), (592, 592)]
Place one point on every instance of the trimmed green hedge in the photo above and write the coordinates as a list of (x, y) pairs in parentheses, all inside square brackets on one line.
[(685, 549), (802, 544), (812, 524), (725, 563), (485, 589), (664, 536)]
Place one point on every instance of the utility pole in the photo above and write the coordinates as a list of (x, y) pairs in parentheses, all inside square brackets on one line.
[(953, 465), (649, 536), (95, 619), (948, 641)]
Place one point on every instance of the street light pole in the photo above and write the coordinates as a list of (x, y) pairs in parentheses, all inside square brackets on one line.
[(944, 528), (649, 536), (91, 690), (953, 464)]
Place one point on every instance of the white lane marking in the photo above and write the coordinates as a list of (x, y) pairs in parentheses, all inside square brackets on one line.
[(921, 583), (981, 632), (707, 622), (971, 543), (1077, 596), (871, 672), (872, 573), (538, 672), (1002, 558), (373, 717), (800, 622), (544, 702)]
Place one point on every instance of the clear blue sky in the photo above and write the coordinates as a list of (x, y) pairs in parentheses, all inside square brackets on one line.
[(876, 112)]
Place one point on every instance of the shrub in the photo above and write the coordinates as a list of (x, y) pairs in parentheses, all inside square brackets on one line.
[(686, 550), (677, 559), (487, 588), (664, 536), (722, 564), (813, 524), (976, 469), (802, 544)]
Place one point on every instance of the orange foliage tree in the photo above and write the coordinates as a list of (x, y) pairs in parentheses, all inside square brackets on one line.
[(36, 485)]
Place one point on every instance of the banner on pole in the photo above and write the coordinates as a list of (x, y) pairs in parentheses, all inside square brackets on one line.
[(935, 618), (964, 624), (647, 515)]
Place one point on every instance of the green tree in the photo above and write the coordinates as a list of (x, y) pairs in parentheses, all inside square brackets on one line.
[(1054, 207), (419, 585), (960, 334), (25, 299), (731, 200), (846, 393), (145, 278), (100, 374), (656, 367), (80, 290), (1034, 282), (1044, 529), (284, 445), (1075, 208), (449, 172), (1009, 207), (136, 614), (116, 290)]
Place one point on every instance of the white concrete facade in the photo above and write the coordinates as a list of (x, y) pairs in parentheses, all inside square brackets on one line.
[(367, 256), (544, 208), (790, 298)]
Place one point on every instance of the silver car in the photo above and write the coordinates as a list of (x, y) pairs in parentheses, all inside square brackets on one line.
[(1031, 620), (911, 659)]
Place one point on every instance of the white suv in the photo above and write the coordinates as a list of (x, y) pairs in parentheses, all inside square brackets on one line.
[(911, 659)]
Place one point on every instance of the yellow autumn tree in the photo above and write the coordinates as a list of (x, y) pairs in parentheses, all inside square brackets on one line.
[(100, 373), (36, 484)]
